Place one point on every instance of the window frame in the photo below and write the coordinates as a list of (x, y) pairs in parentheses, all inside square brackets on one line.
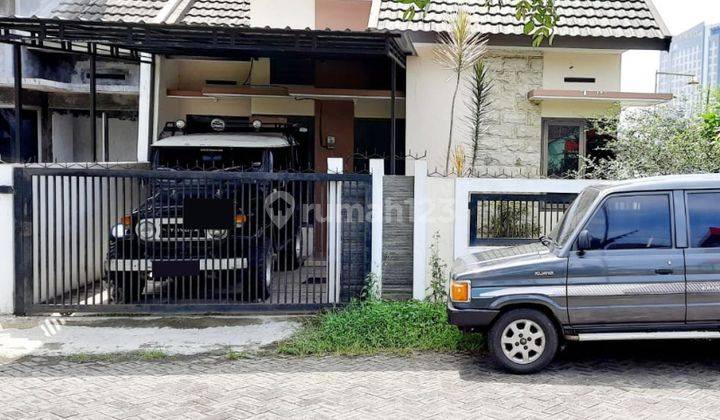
[(688, 230), (567, 122), (671, 207)]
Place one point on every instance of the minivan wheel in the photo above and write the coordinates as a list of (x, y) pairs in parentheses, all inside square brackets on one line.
[(523, 341)]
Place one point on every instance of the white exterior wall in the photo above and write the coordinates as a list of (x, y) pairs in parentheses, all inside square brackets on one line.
[(605, 67), (7, 245), (512, 141), (63, 135), (297, 14), (440, 210), (71, 140)]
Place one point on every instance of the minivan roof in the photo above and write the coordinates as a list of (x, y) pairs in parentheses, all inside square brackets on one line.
[(227, 140), (660, 183)]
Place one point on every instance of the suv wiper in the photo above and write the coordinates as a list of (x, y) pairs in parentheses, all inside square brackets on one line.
[(547, 241)]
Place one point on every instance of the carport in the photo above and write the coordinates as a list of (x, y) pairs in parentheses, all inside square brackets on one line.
[(145, 43), (65, 211)]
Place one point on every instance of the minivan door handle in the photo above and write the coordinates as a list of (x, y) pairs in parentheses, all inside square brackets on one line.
[(664, 271)]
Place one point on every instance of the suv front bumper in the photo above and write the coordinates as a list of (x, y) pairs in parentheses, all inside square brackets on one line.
[(470, 318)]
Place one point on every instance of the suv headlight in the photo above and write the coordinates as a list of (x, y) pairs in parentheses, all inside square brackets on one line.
[(146, 230), (216, 234), (118, 231)]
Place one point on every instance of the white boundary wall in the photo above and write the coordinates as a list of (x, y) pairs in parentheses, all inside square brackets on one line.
[(7, 243), (441, 207), (465, 187)]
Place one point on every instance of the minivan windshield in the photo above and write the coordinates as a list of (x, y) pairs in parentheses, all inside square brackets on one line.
[(574, 215)]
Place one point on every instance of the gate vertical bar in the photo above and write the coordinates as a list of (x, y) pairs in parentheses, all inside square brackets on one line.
[(17, 61), (23, 214), (393, 117), (93, 102)]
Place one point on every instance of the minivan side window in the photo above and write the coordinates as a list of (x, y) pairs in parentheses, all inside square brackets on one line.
[(704, 218), (632, 222)]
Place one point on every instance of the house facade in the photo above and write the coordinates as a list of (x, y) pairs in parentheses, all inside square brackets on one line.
[(541, 97)]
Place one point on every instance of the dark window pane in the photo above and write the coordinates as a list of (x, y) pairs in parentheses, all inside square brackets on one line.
[(704, 220), (632, 222), (29, 141), (563, 149)]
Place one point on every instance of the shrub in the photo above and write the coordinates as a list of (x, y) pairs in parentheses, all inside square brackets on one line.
[(380, 327), (509, 220)]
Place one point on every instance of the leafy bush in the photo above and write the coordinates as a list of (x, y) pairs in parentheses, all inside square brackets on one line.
[(380, 327), (509, 220), (438, 279), (662, 140)]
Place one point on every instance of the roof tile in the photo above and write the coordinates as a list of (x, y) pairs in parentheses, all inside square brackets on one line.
[(592, 18), (109, 10), (218, 12)]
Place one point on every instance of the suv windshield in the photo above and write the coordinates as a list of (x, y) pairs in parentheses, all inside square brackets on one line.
[(574, 215), (240, 159)]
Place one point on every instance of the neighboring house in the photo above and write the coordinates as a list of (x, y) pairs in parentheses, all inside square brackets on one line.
[(541, 97), (694, 52), (56, 98)]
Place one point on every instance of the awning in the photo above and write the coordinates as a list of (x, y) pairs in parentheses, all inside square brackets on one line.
[(624, 98), (127, 40)]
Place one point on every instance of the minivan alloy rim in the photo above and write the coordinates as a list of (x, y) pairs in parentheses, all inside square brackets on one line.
[(523, 341)]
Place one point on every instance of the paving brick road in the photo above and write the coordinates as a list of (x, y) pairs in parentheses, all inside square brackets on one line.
[(651, 380)]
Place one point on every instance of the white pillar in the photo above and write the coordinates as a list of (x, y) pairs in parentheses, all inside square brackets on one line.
[(420, 230), (334, 230), (7, 231), (144, 109), (377, 169)]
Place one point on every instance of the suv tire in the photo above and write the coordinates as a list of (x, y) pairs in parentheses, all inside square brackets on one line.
[(290, 258), (523, 341), (258, 285)]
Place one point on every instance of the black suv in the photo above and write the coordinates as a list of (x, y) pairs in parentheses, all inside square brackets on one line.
[(207, 235)]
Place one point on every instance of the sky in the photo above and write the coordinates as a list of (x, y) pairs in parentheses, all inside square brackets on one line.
[(638, 73)]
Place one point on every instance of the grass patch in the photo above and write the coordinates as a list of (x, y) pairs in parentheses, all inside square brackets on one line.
[(365, 328), (237, 355), (143, 355)]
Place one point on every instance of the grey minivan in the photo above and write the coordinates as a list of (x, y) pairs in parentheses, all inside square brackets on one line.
[(632, 260)]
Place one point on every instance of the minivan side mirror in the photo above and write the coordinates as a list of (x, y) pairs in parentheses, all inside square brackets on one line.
[(583, 241)]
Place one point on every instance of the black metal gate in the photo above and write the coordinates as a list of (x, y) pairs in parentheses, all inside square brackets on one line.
[(129, 240)]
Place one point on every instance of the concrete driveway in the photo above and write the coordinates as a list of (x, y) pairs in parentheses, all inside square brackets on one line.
[(621, 380), (178, 335)]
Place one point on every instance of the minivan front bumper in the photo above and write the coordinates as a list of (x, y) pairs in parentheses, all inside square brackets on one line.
[(470, 318)]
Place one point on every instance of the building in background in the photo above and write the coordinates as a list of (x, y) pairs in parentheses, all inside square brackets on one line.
[(56, 99), (694, 52)]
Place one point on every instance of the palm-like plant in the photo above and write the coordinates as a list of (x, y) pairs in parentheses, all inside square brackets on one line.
[(458, 50), (478, 108)]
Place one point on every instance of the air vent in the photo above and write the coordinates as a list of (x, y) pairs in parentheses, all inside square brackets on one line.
[(220, 83), (579, 80), (108, 76)]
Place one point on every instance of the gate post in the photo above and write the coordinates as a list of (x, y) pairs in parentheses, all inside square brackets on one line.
[(420, 231), (23, 215), (334, 221), (377, 170)]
